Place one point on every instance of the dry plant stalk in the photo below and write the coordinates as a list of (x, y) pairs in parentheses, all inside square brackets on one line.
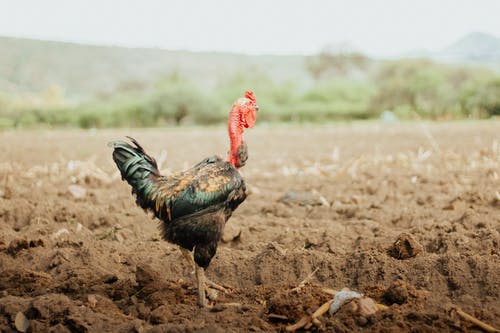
[(222, 306), (231, 304), (277, 316), (308, 321), (304, 282), (475, 321)]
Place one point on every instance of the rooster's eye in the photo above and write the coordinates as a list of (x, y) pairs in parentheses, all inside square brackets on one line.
[(256, 108)]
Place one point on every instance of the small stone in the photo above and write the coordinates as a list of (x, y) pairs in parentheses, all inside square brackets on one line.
[(92, 301), (22, 323), (405, 247), (77, 191)]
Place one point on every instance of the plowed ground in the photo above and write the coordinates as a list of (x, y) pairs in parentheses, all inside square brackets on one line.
[(326, 203)]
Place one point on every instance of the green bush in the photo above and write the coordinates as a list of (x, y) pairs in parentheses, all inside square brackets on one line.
[(482, 99), (185, 104), (6, 123), (432, 90)]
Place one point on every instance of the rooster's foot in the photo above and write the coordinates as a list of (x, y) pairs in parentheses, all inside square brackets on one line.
[(212, 294), (225, 289)]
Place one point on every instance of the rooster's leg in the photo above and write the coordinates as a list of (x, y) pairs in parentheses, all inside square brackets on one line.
[(189, 257), (200, 277)]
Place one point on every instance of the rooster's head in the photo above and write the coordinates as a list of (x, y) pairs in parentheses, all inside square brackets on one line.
[(247, 108), (243, 115)]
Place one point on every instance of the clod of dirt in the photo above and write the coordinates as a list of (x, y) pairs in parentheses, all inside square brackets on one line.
[(358, 312), (145, 275), (398, 292), (17, 245), (405, 247), (361, 309), (22, 323), (102, 304), (364, 306), (161, 315), (155, 290), (23, 280)]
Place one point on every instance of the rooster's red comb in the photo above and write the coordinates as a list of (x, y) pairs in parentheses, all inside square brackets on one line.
[(250, 95)]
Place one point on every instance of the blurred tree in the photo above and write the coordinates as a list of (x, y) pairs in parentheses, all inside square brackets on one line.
[(132, 86), (481, 99), (417, 85), (328, 63), (490, 97), (178, 103)]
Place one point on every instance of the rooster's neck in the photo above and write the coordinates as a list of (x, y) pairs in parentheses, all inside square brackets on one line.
[(237, 150)]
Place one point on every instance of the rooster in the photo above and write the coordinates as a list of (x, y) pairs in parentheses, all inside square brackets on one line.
[(193, 205)]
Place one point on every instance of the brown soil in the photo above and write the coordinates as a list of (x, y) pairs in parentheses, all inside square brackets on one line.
[(408, 215)]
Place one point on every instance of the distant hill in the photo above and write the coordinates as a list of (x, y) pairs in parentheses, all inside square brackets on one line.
[(476, 47), (84, 70)]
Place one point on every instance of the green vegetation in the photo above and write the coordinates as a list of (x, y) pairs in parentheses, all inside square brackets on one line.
[(437, 91), (326, 87)]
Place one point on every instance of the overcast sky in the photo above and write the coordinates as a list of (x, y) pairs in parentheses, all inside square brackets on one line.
[(377, 27)]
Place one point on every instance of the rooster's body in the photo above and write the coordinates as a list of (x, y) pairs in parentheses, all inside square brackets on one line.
[(194, 204)]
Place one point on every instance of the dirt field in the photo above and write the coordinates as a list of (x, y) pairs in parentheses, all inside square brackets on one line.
[(326, 203)]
